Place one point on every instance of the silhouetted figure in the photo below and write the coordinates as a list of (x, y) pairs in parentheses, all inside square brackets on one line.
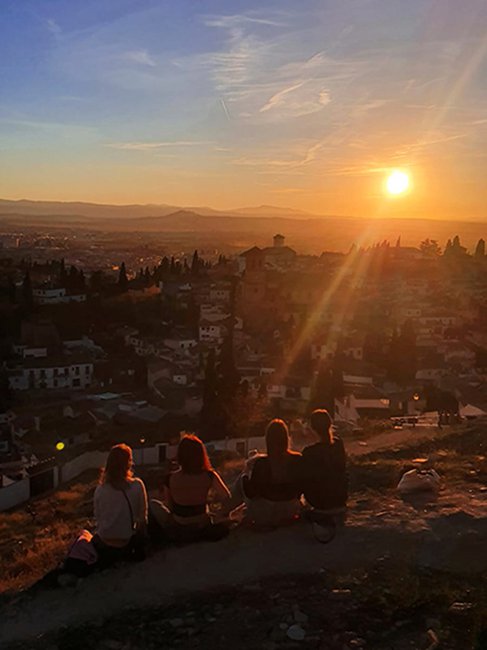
[(274, 488), (324, 466), (183, 515)]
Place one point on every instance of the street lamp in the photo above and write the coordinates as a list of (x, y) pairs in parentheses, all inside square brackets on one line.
[(60, 446), (142, 442)]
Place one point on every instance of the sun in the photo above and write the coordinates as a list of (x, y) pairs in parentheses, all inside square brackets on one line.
[(397, 182)]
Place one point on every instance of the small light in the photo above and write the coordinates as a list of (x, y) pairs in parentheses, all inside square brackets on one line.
[(60, 446), (415, 397), (142, 441)]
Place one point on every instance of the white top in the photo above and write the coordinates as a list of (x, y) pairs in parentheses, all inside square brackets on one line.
[(112, 511)]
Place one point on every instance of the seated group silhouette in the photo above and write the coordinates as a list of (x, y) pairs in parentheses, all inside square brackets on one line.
[(276, 488)]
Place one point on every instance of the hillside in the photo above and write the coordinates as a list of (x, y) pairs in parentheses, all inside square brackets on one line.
[(393, 573), (107, 211), (241, 227)]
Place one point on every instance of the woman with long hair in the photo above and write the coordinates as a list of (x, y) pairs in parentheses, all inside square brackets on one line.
[(184, 511), (274, 488), (120, 504)]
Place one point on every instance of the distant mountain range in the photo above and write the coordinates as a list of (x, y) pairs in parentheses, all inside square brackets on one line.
[(106, 211), (242, 226)]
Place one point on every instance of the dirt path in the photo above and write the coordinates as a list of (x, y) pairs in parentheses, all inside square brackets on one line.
[(450, 534), (399, 438)]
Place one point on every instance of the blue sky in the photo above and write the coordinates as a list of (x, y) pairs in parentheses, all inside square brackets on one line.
[(300, 103)]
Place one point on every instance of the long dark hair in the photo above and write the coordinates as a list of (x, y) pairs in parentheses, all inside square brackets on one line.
[(118, 468), (277, 438), (192, 456), (320, 421)]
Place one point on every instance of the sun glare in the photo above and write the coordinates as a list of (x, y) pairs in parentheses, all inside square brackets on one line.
[(397, 182)]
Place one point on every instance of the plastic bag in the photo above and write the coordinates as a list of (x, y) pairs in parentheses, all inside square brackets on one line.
[(419, 480)]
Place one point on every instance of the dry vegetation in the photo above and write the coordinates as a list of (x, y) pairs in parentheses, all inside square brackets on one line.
[(35, 537)]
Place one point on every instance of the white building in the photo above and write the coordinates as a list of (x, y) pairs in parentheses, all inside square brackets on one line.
[(51, 374), (55, 296), (211, 332)]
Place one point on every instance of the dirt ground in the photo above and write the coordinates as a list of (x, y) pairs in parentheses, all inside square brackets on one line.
[(390, 577)]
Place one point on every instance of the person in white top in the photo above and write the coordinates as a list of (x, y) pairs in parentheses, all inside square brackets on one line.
[(120, 505)]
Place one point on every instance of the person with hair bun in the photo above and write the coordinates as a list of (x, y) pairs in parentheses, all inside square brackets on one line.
[(120, 505), (273, 490), (324, 466)]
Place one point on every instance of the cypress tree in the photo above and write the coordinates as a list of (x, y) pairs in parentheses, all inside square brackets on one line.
[(123, 282)]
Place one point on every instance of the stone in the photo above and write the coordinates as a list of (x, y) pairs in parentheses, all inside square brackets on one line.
[(176, 622), (341, 593), (300, 617), (252, 588), (113, 644), (460, 607), (296, 633)]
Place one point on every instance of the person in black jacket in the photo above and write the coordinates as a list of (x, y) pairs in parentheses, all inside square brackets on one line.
[(273, 489), (324, 466)]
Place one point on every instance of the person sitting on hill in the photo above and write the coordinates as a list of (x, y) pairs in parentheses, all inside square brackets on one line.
[(184, 515), (120, 505), (324, 471), (273, 489)]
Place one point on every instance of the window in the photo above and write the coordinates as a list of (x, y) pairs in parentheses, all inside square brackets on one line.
[(76, 383)]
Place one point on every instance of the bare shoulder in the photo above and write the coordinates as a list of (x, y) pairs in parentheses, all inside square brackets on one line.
[(137, 484)]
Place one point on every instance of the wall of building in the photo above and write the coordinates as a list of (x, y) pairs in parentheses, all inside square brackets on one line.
[(14, 494)]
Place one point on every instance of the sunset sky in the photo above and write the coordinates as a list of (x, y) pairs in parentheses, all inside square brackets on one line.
[(303, 103)]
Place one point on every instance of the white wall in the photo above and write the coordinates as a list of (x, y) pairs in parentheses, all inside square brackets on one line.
[(78, 465), (14, 494)]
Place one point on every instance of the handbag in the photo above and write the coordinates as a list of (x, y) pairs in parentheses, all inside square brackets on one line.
[(138, 541)]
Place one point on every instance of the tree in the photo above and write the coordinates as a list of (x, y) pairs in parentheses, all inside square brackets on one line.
[(455, 248), (480, 249), (12, 292), (96, 281), (6, 395), (210, 415), (123, 282), (81, 280), (402, 355), (62, 273), (195, 264), (430, 248), (322, 391), (27, 294), (228, 376), (147, 277)]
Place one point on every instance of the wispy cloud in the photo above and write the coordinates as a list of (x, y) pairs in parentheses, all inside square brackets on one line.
[(304, 156), (148, 146), (141, 57), (277, 99), (53, 26), (237, 20)]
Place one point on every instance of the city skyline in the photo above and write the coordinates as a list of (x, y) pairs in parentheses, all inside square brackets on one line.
[(248, 104)]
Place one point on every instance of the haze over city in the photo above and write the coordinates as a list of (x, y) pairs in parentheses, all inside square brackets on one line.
[(308, 105), (243, 324)]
